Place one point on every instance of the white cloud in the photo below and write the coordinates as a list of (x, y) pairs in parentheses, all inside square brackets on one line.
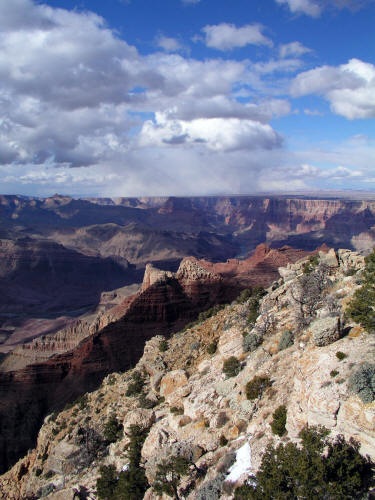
[(226, 36), (217, 134), (308, 7), (313, 112), (168, 44), (293, 49), (222, 107), (73, 94), (350, 88), (314, 8)]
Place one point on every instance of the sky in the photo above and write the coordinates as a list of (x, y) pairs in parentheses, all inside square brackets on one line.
[(186, 97)]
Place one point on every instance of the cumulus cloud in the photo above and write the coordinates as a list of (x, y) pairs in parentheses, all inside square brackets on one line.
[(314, 8), (218, 134), (293, 49), (226, 36), (350, 88), (308, 7), (168, 44), (73, 94)]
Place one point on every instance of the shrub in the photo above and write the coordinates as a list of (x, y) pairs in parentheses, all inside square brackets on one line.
[(257, 293), (169, 474), (111, 380), (129, 484), (311, 264), (106, 483), (362, 382), (209, 313), (211, 490), (256, 387), (211, 348), (305, 472), (163, 345), (360, 308), (341, 355), (135, 387), (287, 340), (250, 342), (176, 411), (223, 440), (112, 430), (145, 402), (243, 296), (351, 271), (333, 373), (279, 421), (49, 474), (38, 472), (231, 366)]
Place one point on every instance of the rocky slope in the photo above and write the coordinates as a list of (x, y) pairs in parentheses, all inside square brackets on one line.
[(204, 415), (54, 369)]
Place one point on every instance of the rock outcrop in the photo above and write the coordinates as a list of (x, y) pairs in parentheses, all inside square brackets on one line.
[(204, 416), (66, 364)]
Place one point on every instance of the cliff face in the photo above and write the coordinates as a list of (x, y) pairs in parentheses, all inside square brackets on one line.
[(204, 415), (165, 303), (58, 254)]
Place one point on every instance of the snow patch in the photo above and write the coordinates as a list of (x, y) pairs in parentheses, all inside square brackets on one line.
[(242, 465)]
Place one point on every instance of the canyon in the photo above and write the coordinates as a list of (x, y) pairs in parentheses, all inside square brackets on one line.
[(73, 306), (49, 372), (196, 409), (58, 254)]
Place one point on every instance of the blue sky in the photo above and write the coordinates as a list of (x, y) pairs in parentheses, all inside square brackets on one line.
[(186, 97)]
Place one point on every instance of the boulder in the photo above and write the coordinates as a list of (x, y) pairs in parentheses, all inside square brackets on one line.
[(171, 382), (325, 330)]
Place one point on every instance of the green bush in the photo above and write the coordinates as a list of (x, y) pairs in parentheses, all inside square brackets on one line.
[(250, 342), (231, 366), (341, 355), (287, 340), (257, 293), (107, 482), (112, 430), (211, 490), (169, 474), (145, 402), (362, 382), (279, 421), (209, 313), (256, 387), (318, 469), (361, 308), (333, 373), (130, 484), (211, 348), (309, 266), (38, 472), (243, 296), (163, 345), (176, 411), (136, 386)]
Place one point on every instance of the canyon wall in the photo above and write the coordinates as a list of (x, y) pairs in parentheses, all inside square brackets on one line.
[(165, 303)]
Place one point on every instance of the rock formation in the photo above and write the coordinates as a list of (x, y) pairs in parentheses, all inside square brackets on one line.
[(195, 411), (165, 303)]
